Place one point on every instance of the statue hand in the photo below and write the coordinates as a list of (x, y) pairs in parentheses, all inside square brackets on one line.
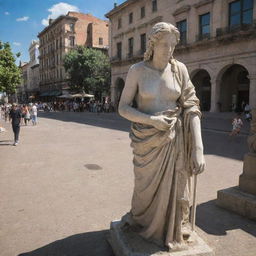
[(198, 160), (160, 122)]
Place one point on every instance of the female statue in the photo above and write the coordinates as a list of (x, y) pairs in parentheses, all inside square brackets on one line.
[(166, 141)]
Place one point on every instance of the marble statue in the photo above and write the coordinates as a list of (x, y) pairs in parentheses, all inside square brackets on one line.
[(166, 141)]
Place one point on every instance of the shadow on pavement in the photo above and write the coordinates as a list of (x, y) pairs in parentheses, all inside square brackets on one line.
[(215, 142), (221, 144), (86, 244), (104, 120), (217, 221)]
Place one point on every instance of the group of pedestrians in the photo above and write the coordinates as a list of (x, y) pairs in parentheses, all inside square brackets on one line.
[(19, 115), (77, 106)]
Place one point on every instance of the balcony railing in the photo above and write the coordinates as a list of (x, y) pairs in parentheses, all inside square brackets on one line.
[(115, 58), (235, 29), (201, 37), (129, 55)]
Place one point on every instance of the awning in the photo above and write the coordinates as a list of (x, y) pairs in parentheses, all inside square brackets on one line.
[(55, 93), (50, 93), (44, 94), (82, 95), (66, 96)]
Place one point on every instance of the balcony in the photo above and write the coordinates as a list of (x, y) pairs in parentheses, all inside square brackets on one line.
[(235, 29), (130, 58), (129, 55), (201, 37), (115, 59)]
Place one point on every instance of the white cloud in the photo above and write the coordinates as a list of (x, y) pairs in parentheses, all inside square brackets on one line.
[(6, 13), (25, 18), (59, 9), (16, 43)]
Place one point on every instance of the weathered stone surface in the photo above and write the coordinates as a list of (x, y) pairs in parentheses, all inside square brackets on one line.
[(128, 243), (247, 181), (235, 200)]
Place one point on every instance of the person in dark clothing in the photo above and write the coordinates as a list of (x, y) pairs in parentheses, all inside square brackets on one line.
[(15, 115)]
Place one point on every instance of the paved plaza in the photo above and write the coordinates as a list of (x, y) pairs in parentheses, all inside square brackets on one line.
[(71, 175)]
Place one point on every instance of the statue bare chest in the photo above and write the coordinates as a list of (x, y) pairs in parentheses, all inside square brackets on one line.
[(154, 85)]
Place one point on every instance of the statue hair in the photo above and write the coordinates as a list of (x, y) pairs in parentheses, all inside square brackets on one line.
[(156, 33)]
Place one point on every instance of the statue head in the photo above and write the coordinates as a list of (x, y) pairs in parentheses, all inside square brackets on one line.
[(158, 31)]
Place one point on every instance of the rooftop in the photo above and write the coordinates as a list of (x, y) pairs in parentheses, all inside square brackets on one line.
[(119, 7)]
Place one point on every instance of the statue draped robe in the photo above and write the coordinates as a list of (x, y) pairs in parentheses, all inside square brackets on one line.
[(163, 169)]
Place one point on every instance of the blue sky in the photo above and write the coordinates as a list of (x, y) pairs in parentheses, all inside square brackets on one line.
[(21, 20)]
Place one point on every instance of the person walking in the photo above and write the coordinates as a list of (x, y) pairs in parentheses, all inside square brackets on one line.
[(34, 114), (15, 116), (237, 124), (27, 115)]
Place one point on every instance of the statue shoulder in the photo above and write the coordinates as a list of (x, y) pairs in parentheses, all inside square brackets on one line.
[(137, 67)]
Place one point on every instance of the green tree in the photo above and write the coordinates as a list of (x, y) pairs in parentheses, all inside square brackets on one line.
[(88, 70), (10, 74)]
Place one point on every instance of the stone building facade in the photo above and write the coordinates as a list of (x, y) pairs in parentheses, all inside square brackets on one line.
[(218, 45), (22, 88), (61, 35), (33, 70)]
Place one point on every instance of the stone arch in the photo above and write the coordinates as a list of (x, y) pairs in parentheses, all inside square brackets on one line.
[(233, 87), (202, 82)]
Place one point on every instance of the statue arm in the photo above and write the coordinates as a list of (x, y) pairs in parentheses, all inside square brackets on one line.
[(190, 103), (127, 111), (127, 97), (195, 126), (197, 147)]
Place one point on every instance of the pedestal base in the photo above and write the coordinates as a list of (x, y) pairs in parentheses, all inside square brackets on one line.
[(235, 200), (128, 243), (247, 180)]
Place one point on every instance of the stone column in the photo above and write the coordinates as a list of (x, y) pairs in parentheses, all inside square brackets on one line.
[(252, 97), (242, 199), (214, 95)]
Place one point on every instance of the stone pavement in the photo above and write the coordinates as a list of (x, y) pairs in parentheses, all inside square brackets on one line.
[(72, 174)]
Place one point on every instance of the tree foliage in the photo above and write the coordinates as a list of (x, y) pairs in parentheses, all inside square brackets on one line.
[(10, 74), (88, 69)]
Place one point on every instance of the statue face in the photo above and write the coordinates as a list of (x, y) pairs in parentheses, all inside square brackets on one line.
[(164, 47)]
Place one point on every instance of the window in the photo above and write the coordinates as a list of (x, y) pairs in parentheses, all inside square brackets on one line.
[(119, 24), (72, 27), (240, 12), (142, 12), (100, 41), (154, 5), (143, 43), (72, 41), (204, 25), (130, 45), (130, 18), (182, 27), (119, 50)]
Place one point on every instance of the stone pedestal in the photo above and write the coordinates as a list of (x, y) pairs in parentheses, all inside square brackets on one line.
[(128, 243), (247, 180), (242, 199), (235, 200)]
